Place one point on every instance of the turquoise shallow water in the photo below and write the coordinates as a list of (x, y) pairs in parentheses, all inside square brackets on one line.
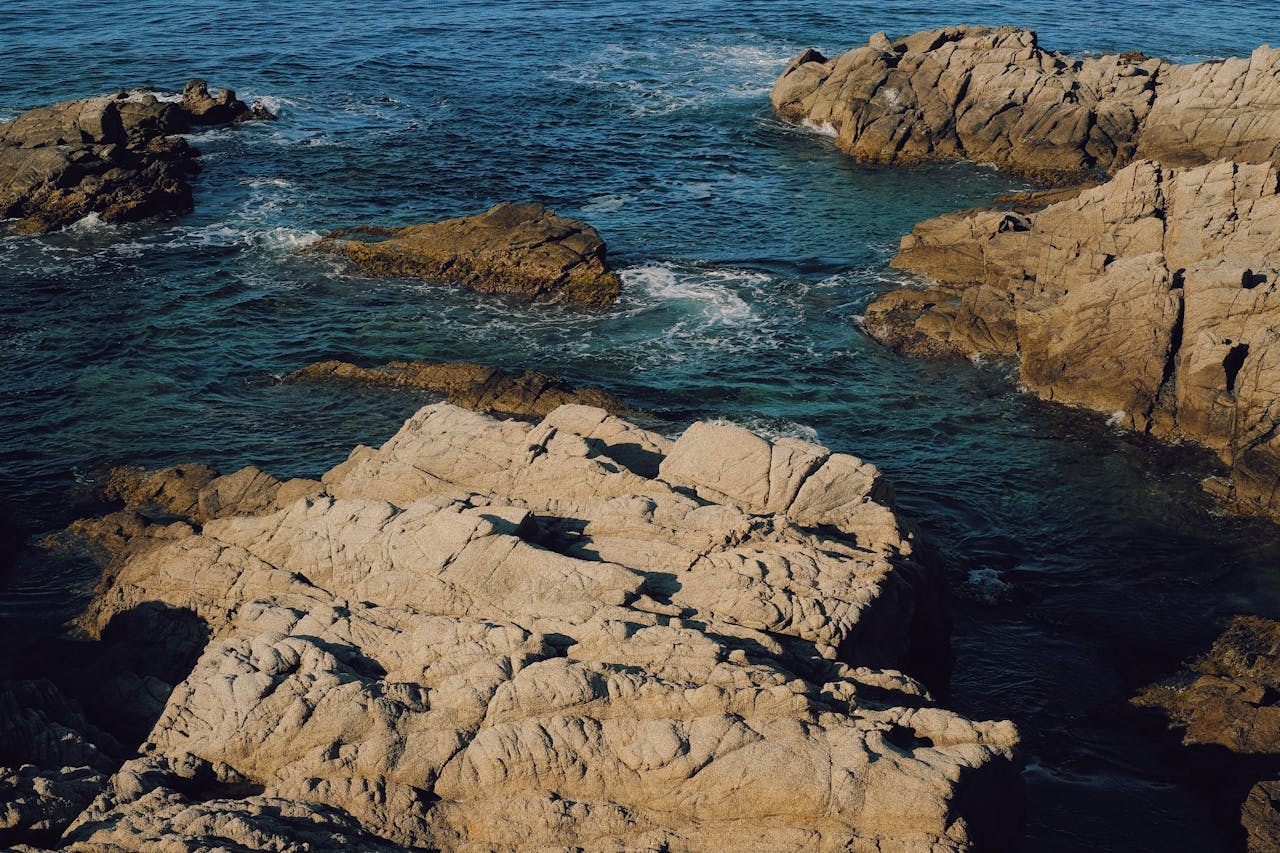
[(1084, 561)]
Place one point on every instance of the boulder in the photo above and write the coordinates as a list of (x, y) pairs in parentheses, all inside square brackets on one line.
[(491, 635), (995, 96), (116, 157), (1151, 298), (521, 250), (528, 394)]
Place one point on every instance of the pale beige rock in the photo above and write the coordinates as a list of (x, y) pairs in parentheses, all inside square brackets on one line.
[(493, 636), (996, 96), (1152, 296)]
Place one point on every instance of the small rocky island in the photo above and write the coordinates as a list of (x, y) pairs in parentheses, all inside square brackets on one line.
[(119, 157), (524, 251), (494, 635), (1151, 298)]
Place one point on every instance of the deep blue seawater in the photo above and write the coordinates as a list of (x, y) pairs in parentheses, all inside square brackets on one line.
[(1084, 561)]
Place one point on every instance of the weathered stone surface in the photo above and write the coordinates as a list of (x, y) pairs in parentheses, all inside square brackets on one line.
[(1230, 698), (116, 157), (529, 394), (996, 96), (577, 634), (521, 250), (1152, 296)]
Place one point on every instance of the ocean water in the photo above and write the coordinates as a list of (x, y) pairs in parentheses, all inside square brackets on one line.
[(1084, 561)]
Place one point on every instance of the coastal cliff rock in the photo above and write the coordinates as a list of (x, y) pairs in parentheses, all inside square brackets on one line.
[(117, 157), (491, 635), (1230, 698), (995, 96), (1152, 297), (521, 250), (529, 394)]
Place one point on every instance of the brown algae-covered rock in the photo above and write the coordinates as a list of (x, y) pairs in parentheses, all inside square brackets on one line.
[(521, 250), (116, 157), (528, 394)]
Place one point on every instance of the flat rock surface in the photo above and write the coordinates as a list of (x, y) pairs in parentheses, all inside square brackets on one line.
[(996, 96), (491, 390), (487, 635), (521, 250), (1151, 297), (115, 157)]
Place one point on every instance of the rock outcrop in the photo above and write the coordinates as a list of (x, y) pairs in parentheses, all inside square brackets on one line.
[(117, 157), (1152, 297), (1230, 699), (995, 96), (528, 394), (488, 635), (521, 250)]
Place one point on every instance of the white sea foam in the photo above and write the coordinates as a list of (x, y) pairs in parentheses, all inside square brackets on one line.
[(773, 428), (606, 203), (87, 224), (267, 182), (287, 238), (1116, 418), (824, 128), (986, 586), (709, 291)]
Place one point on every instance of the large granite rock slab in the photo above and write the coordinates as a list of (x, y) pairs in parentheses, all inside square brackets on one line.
[(117, 157), (996, 96), (522, 250), (491, 635), (1152, 297)]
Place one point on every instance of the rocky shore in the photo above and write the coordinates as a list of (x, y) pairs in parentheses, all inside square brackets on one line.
[(118, 157), (495, 635), (520, 250), (1151, 297), (995, 96)]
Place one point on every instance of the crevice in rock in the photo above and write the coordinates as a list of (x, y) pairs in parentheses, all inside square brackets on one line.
[(1232, 363), (1164, 391)]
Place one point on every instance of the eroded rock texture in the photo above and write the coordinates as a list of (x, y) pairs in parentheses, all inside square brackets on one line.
[(1230, 699), (117, 157), (1152, 296), (528, 394), (995, 96), (522, 250), (577, 634)]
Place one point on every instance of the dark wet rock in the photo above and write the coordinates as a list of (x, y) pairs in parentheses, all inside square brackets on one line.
[(528, 394), (1152, 298), (116, 157), (522, 250), (996, 96), (1228, 703)]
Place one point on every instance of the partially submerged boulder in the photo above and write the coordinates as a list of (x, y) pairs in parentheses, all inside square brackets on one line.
[(490, 390), (117, 157), (521, 250), (487, 635), (996, 96), (1151, 297)]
